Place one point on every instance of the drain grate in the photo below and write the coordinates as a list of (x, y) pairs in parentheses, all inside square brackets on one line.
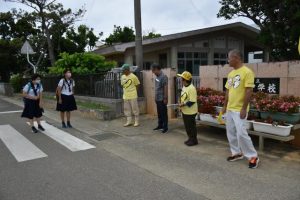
[(104, 136)]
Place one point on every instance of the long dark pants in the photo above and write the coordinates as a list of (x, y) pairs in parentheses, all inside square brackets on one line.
[(162, 113), (190, 126)]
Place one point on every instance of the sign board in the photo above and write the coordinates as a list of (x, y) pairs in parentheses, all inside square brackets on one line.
[(266, 85), (26, 48)]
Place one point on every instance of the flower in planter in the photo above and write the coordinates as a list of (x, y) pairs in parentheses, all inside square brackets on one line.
[(208, 92), (256, 97), (279, 104)]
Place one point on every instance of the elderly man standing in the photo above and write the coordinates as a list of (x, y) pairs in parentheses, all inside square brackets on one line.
[(161, 98), (130, 85), (239, 88)]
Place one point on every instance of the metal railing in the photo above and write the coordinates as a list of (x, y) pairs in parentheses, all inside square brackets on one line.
[(84, 84), (110, 86)]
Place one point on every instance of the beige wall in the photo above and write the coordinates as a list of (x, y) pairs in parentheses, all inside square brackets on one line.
[(212, 76), (149, 78), (288, 72)]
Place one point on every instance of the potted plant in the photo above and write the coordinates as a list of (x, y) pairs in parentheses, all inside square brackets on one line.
[(284, 108), (206, 109), (255, 98)]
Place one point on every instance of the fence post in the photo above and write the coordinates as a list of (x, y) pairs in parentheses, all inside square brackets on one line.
[(115, 90)]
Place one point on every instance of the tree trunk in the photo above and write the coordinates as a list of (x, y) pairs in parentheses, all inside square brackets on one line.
[(50, 46)]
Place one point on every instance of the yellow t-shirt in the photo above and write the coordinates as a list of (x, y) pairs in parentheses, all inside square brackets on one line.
[(189, 93), (237, 82), (129, 84)]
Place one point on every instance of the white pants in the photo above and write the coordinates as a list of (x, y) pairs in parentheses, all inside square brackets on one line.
[(237, 135), (131, 107)]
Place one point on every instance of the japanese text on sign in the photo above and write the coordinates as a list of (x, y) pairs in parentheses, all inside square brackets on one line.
[(266, 85)]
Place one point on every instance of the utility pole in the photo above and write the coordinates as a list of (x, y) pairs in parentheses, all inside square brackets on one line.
[(138, 34)]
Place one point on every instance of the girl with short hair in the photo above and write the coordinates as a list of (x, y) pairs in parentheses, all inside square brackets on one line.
[(33, 104)]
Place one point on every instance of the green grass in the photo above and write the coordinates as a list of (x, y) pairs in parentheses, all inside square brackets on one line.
[(95, 106), (87, 105)]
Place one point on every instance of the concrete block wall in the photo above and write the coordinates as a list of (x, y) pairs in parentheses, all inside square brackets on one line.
[(149, 90), (288, 72)]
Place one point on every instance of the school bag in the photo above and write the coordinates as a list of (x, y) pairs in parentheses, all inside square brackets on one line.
[(30, 85)]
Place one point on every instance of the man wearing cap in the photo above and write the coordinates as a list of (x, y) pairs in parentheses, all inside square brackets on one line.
[(189, 108), (130, 84), (161, 98)]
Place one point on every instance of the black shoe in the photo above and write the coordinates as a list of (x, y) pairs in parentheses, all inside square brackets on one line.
[(63, 125), (235, 158), (69, 125), (253, 163), (164, 131), (191, 143), (158, 128), (41, 128), (187, 141), (34, 130)]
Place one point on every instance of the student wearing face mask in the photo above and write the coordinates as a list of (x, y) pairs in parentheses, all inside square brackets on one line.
[(65, 96), (32, 95)]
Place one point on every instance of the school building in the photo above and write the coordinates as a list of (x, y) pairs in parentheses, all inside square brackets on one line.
[(189, 50)]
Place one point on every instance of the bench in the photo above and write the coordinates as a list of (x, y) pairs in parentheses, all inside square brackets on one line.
[(261, 135)]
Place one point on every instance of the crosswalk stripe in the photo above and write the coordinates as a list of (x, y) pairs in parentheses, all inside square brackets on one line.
[(9, 112), (21, 148), (69, 141)]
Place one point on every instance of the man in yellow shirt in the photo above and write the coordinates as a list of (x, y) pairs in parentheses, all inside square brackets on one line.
[(239, 87), (130, 84), (189, 108)]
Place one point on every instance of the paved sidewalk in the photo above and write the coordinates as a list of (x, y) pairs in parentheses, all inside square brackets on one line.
[(201, 169)]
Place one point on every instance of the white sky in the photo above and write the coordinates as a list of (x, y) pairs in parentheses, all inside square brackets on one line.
[(163, 16)]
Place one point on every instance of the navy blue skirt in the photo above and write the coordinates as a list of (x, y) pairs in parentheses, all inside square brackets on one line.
[(68, 103), (32, 109)]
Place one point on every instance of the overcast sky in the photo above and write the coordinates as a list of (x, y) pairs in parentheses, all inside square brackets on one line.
[(163, 16)]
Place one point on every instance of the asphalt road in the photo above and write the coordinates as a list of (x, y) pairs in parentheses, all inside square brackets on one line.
[(91, 174)]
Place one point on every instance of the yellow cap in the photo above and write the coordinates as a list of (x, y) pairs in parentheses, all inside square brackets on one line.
[(186, 75)]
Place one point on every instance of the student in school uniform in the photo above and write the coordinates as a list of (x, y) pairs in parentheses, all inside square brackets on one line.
[(130, 83), (33, 102), (189, 108), (66, 100)]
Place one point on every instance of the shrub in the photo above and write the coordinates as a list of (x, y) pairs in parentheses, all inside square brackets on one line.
[(17, 82), (81, 63)]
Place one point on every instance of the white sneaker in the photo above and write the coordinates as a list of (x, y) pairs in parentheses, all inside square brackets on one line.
[(136, 124), (127, 124)]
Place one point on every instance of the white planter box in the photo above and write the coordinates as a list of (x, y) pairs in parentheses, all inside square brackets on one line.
[(218, 109), (208, 118), (249, 124), (275, 130)]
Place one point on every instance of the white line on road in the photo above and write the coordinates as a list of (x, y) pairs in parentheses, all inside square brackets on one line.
[(65, 139), (8, 112), (21, 148)]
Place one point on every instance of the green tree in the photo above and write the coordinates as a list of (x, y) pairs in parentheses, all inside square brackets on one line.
[(14, 28), (53, 18), (81, 63), (120, 35), (278, 20), (151, 35), (126, 34), (82, 38)]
